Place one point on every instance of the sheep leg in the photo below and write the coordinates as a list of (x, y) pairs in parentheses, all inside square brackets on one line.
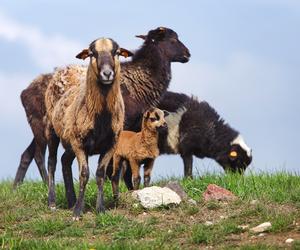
[(26, 159), (116, 176), (39, 158), (188, 165), (127, 176), (53, 143), (66, 162), (103, 162), (147, 172), (84, 174), (136, 178)]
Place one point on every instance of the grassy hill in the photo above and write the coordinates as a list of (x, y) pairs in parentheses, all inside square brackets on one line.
[(26, 222)]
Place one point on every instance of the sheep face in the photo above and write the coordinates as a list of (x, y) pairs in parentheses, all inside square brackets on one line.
[(104, 59), (154, 120), (168, 42), (236, 159)]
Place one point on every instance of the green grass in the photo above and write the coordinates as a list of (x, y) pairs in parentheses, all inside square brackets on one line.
[(27, 223)]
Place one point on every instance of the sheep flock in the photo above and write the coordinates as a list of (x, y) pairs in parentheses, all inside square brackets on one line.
[(124, 113)]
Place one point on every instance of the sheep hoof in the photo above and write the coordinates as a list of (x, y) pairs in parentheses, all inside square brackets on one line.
[(101, 209), (76, 218), (52, 208)]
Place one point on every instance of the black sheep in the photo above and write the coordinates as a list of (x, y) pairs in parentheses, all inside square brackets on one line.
[(195, 128)]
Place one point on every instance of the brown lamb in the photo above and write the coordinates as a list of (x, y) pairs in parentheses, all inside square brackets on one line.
[(87, 118), (139, 148)]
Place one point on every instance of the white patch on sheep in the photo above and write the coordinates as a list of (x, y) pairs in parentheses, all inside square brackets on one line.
[(239, 140), (173, 120)]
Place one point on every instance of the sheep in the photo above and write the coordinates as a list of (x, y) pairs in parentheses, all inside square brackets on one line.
[(139, 148), (143, 81), (87, 118), (195, 128)]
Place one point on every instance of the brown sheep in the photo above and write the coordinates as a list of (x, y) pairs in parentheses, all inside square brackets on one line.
[(139, 148), (87, 118)]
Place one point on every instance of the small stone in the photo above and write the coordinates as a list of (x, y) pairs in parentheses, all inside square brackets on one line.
[(208, 223), (144, 213), (243, 227), (261, 235), (289, 240), (261, 228), (214, 192), (223, 217), (253, 202), (169, 231), (192, 202)]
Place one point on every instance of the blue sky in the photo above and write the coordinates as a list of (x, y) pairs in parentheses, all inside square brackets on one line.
[(245, 63)]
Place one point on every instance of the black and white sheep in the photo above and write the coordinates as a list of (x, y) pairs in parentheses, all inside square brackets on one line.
[(195, 128)]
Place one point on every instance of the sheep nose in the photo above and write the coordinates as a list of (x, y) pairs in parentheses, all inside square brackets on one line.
[(107, 73)]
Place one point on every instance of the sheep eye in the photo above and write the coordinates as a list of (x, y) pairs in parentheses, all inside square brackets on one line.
[(152, 119)]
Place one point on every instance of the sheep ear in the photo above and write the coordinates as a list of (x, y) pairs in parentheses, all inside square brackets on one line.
[(233, 154), (147, 115), (144, 37), (83, 54), (166, 113), (125, 52)]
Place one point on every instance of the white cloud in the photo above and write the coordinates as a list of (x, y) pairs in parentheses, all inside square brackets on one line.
[(47, 51)]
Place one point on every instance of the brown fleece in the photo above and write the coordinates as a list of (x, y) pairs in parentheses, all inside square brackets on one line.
[(139, 148)]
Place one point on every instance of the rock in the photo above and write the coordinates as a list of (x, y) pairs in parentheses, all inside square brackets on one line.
[(192, 202), (253, 202), (208, 223), (261, 235), (177, 188), (152, 197), (261, 228), (289, 240), (214, 192), (243, 227)]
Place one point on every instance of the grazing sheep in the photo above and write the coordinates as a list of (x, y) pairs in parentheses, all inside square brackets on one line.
[(87, 118), (139, 148), (143, 81), (195, 128)]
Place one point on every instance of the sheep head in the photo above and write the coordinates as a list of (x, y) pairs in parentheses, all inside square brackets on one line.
[(104, 59), (168, 41)]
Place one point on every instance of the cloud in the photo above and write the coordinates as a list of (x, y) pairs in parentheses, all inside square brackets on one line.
[(47, 51)]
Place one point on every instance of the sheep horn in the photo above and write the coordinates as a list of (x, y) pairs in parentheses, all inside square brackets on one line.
[(144, 37)]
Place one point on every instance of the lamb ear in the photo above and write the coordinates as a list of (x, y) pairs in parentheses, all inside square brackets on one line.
[(83, 54), (146, 114), (125, 52), (166, 113)]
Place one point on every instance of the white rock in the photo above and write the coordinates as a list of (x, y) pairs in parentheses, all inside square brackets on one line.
[(289, 240), (151, 197), (261, 235), (208, 223), (261, 228), (253, 202), (243, 227), (191, 201)]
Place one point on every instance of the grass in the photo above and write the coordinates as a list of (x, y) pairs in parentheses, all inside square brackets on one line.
[(27, 223)]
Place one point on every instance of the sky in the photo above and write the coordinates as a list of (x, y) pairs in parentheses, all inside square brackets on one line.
[(245, 62)]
